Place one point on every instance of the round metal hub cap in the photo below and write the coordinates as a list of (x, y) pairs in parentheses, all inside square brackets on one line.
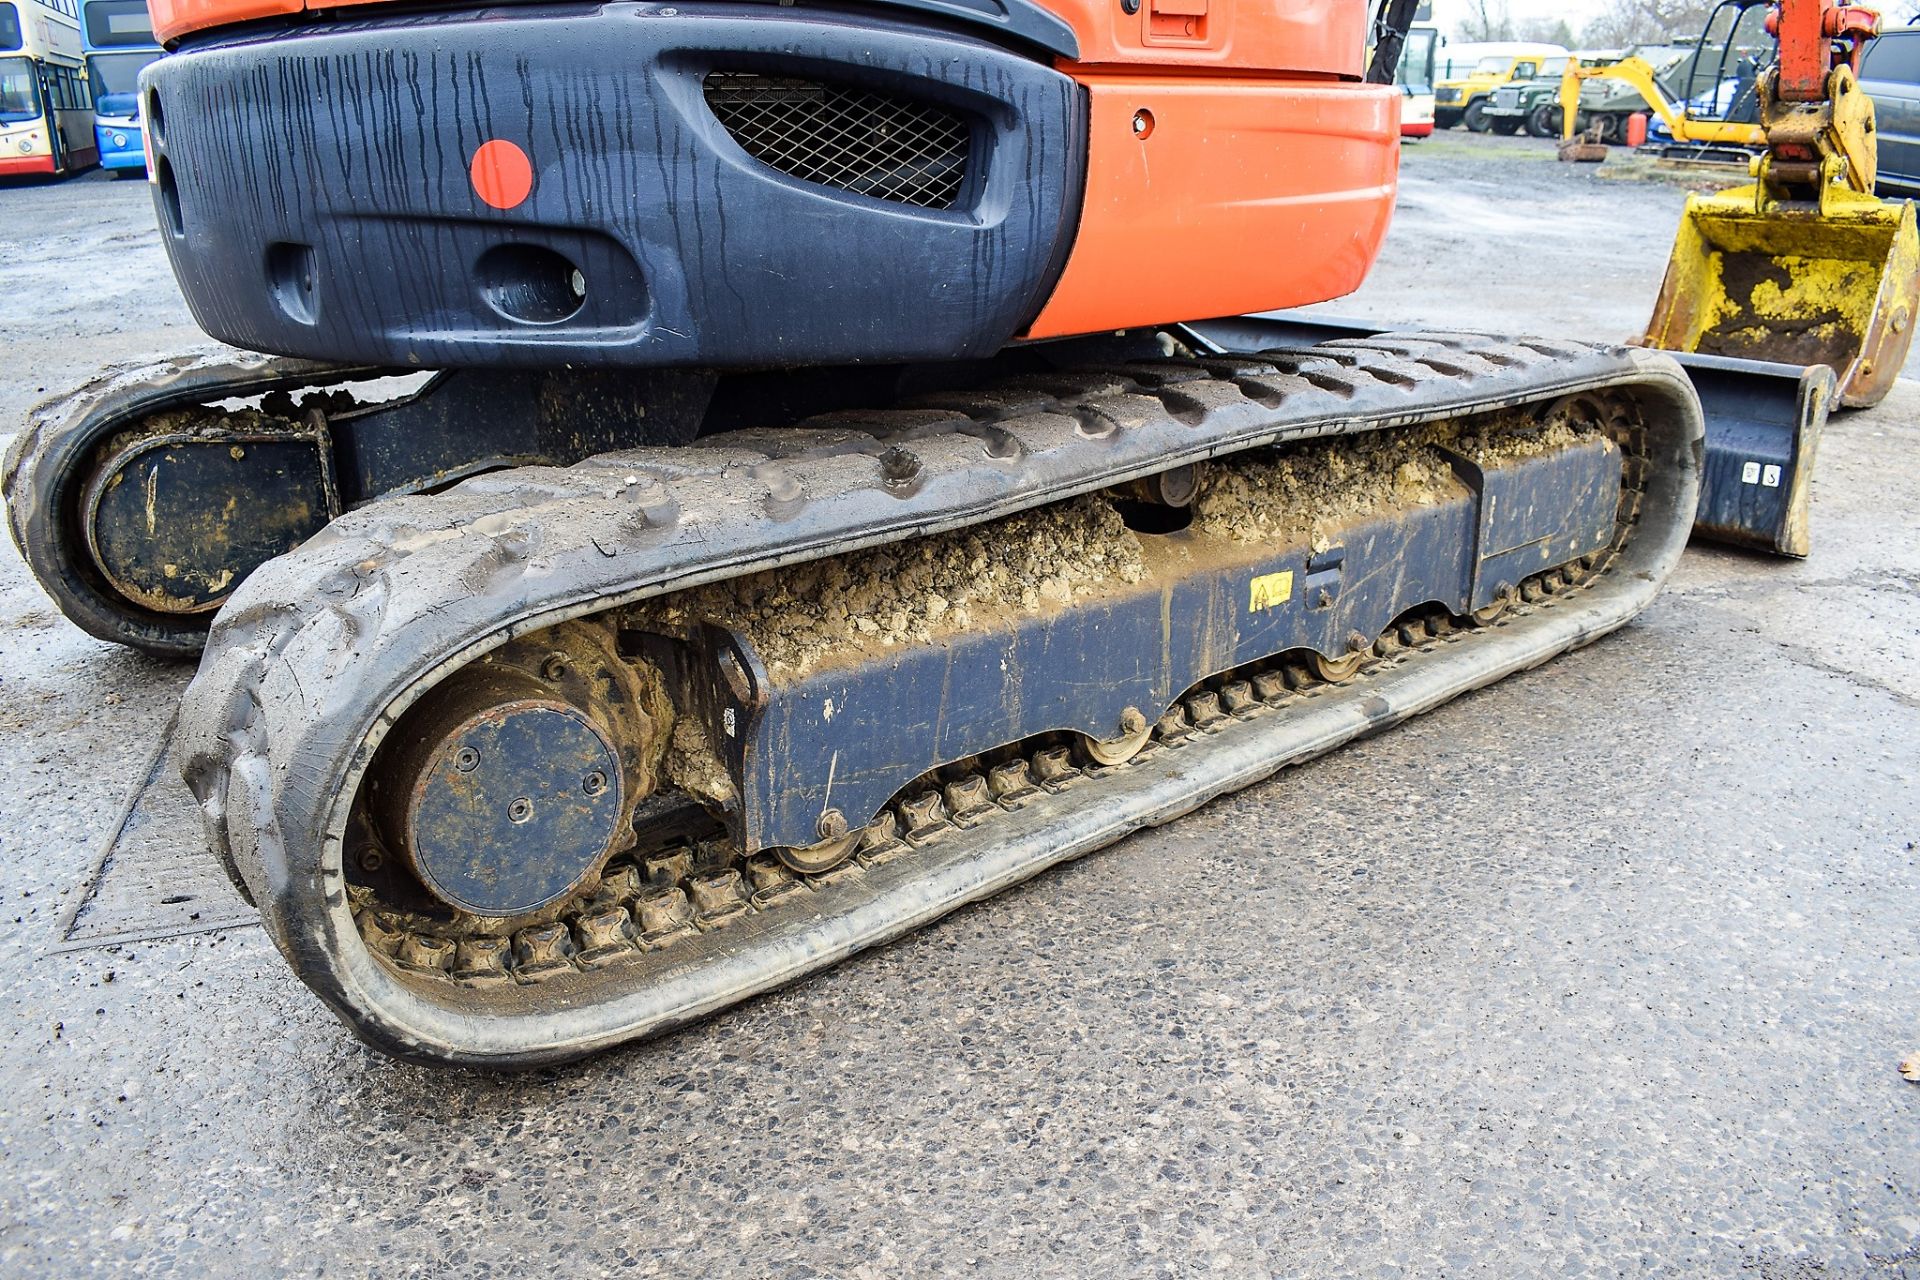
[(517, 805)]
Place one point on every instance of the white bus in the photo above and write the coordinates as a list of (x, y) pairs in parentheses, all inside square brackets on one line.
[(46, 113)]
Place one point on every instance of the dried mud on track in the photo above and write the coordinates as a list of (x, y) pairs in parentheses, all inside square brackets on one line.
[(1605, 970), (896, 595), (1307, 494)]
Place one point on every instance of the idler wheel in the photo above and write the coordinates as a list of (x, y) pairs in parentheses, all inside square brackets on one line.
[(504, 797), (174, 522)]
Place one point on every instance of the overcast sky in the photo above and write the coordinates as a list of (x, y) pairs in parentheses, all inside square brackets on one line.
[(1448, 14)]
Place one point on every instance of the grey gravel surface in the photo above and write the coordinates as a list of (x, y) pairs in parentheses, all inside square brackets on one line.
[(83, 283), (1603, 971)]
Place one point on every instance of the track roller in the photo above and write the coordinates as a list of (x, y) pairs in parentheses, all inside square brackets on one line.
[(1135, 731)]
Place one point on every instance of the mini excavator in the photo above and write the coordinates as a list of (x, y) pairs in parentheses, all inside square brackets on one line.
[(727, 483)]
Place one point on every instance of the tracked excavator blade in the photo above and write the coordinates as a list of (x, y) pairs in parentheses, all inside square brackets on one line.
[(1763, 428), (1763, 424), (563, 756)]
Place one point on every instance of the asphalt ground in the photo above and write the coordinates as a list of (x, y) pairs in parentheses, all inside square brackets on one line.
[(1603, 971)]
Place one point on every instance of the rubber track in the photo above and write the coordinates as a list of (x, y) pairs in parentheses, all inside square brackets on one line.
[(47, 463), (320, 650)]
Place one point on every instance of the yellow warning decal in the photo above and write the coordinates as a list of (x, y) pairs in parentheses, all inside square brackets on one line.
[(1270, 589)]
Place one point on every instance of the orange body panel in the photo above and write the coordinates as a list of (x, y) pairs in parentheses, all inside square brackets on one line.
[(175, 18), (1240, 196), (1314, 37), (1309, 37), (1263, 178)]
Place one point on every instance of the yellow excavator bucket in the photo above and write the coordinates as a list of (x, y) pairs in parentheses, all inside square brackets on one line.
[(1834, 284)]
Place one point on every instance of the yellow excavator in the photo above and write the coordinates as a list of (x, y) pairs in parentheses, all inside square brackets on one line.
[(1801, 270), (1716, 110)]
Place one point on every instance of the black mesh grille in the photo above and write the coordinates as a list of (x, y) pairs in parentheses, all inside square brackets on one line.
[(875, 144)]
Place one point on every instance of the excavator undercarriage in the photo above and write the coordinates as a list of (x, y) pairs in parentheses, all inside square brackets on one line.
[(562, 756), (541, 712), (821, 513)]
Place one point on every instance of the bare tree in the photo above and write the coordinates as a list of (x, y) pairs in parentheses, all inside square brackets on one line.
[(1546, 31), (1630, 22), (1487, 20)]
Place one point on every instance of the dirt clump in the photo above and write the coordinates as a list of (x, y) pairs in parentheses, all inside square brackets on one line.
[(695, 766), (912, 592), (280, 413), (1309, 493), (1496, 440)]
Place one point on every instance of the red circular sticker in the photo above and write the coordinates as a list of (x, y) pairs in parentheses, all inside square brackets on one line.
[(502, 174)]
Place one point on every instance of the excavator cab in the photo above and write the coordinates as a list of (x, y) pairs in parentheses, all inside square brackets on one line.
[(1720, 83), (1804, 266)]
